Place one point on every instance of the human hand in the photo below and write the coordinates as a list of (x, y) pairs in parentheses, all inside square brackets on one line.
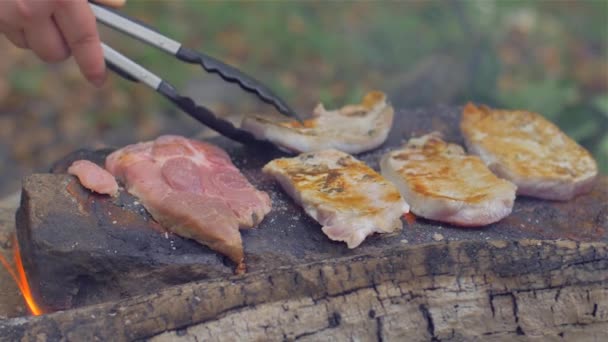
[(57, 29)]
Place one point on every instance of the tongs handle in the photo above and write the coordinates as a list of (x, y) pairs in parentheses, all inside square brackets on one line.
[(230, 74), (135, 72), (135, 29), (129, 69)]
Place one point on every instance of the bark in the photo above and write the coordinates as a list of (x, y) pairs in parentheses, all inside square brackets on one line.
[(444, 291), (11, 302)]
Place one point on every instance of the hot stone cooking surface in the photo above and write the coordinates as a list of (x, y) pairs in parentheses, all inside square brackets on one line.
[(81, 248)]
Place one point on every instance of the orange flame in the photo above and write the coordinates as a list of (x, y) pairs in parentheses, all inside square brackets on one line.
[(410, 218), (18, 274)]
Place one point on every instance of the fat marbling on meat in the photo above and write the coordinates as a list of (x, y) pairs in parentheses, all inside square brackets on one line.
[(350, 129), (349, 199), (94, 177), (528, 150), (193, 189), (442, 183)]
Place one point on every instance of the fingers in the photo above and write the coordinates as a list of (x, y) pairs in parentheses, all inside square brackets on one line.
[(17, 38), (111, 3), (18, 14), (54, 29), (77, 23), (9, 16), (28, 23), (46, 41)]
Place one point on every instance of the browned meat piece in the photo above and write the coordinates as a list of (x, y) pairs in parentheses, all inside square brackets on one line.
[(442, 183), (350, 200), (350, 129), (528, 150)]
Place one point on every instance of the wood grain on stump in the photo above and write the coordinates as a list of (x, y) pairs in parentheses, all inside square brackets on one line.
[(447, 291)]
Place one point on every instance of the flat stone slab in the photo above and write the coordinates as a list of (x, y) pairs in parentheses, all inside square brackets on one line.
[(81, 248)]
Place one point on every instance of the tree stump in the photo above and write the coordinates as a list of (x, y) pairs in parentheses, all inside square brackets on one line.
[(449, 291)]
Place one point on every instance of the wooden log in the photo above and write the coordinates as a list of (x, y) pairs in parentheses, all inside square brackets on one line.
[(11, 303), (451, 291)]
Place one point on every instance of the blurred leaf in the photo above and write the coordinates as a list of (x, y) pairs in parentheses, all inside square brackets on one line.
[(355, 95), (579, 122), (601, 103), (26, 80), (484, 71), (547, 97), (578, 128), (601, 154)]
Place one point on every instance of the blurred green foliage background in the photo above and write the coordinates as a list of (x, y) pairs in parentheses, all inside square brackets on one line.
[(546, 56)]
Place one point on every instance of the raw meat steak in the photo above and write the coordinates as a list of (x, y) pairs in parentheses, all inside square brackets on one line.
[(94, 177), (193, 189)]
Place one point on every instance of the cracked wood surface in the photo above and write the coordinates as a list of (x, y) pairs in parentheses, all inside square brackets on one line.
[(450, 291)]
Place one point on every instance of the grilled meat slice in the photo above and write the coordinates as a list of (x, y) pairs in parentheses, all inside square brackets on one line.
[(193, 189), (528, 150), (351, 129), (442, 183), (94, 177), (348, 198)]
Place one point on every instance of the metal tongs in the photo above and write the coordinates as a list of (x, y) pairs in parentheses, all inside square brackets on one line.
[(132, 71)]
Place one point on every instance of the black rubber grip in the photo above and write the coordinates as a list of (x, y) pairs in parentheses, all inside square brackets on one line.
[(208, 118), (233, 75)]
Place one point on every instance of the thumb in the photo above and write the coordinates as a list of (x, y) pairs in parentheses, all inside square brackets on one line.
[(111, 3)]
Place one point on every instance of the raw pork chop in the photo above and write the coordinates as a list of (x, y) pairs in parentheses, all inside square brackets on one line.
[(94, 177), (351, 129), (528, 150), (193, 189), (441, 183), (349, 199)]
